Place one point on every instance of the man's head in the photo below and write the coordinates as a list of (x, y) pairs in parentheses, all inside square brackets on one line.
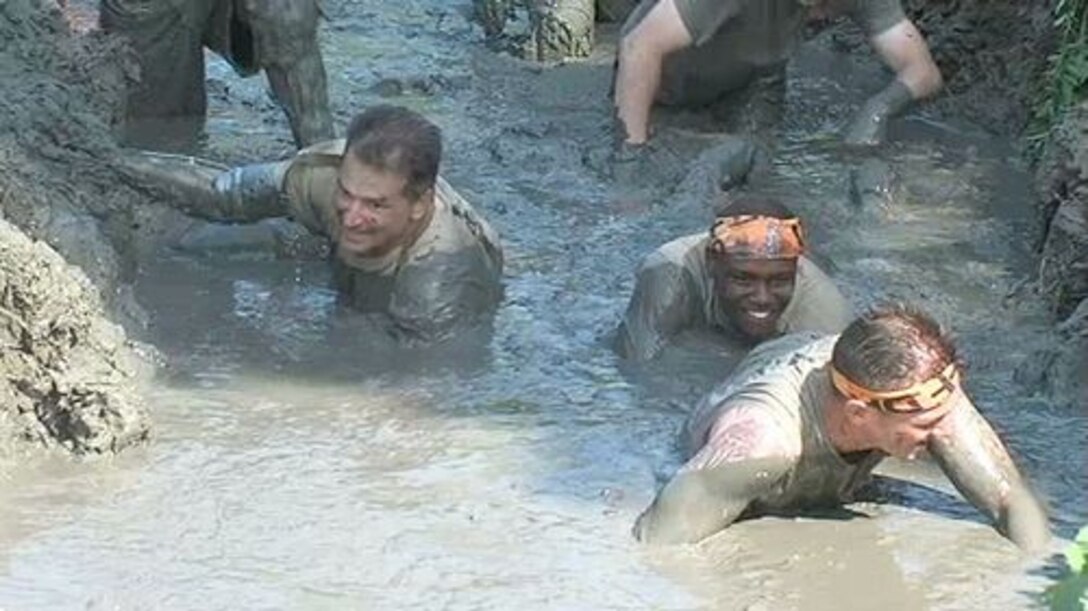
[(752, 259), (385, 192), (896, 377)]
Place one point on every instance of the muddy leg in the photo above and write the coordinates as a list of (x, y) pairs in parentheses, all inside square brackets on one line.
[(301, 90), (285, 44), (561, 29)]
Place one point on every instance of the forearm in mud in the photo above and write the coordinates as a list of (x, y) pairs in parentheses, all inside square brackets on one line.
[(870, 125), (637, 80), (208, 190), (697, 503), (658, 310), (979, 466)]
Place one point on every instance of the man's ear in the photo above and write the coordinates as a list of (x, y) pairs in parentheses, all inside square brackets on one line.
[(422, 204), (857, 412)]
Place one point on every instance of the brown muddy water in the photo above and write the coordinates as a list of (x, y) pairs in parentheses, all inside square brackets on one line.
[(303, 462)]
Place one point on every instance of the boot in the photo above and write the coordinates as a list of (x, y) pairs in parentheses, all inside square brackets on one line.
[(561, 29)]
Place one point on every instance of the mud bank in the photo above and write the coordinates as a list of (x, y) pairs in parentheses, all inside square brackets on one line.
[(1062, 186), (990, 54), (70, 378)]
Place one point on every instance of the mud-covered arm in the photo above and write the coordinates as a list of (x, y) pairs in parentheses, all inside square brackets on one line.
[(974, 459), (641, 58), (903, 49), (660, 307), (208, 190), (741, 461)]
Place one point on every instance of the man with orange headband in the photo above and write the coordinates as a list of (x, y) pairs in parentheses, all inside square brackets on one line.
[(746, 280), (804, 419)]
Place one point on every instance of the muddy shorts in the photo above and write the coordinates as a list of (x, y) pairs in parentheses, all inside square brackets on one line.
[(169, 37)]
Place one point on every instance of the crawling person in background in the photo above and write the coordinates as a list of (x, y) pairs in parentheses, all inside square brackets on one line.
[(406, 245), (804, 419), (746, 279), (169, 36), (693, 52)]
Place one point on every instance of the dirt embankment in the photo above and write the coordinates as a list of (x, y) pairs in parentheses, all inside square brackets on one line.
[(991, 55), (1062, 186), (69, 377)]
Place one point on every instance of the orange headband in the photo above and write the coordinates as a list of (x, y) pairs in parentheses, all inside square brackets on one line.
[(925, 395), (759, 237)]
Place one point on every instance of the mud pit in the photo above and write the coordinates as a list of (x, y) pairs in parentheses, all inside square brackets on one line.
[(304, 462)]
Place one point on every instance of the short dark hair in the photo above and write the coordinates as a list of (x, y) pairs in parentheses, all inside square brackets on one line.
[(396, 139), (893, 346), (755, 205)]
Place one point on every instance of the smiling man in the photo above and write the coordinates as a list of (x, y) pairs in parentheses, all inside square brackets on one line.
[(747, 279), (802, 421), (406, 244)]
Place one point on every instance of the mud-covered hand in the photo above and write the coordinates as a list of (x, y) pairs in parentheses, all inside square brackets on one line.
[(631, 163), (870, 125), (972, 456)]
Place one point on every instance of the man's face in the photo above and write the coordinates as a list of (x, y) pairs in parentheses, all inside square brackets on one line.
[(754, 292), (376, 215), (904, 435)]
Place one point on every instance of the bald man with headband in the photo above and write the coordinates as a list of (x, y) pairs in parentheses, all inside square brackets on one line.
[(692, 52), (746, 280), (804, 419)]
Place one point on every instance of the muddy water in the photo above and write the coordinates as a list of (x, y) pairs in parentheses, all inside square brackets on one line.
[(303, 461)]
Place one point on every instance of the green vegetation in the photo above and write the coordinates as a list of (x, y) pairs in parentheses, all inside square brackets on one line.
[(1067, 71), (1071, 593)]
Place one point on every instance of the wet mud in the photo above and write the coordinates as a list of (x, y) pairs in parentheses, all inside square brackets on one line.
[(71, 379), (303, 460)]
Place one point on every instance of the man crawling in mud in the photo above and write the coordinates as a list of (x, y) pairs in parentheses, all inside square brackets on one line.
[(406, 245), (802, 421), (694, 52), (747, 280), (169, 36)]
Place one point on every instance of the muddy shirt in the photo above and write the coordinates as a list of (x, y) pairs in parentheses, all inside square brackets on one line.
[(736, 41), (768, 29), (448, 277), (674, 291), (781, 382)]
